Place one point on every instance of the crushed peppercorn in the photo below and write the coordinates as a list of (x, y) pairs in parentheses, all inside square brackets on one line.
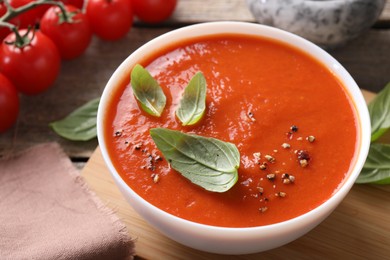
[(271, 176), (270, 158), (263, 166), (280, 194), (156, 177), (251, 116), (303, 163), (310, 138), (118, 133), (263, 209)]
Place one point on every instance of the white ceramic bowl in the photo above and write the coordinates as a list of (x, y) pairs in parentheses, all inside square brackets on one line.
[(236, 240)]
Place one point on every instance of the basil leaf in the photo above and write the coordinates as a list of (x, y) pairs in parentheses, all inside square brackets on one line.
[(147, 90), (377, 166), (207, 162), (193, 103), (80, 125), (379, 110)]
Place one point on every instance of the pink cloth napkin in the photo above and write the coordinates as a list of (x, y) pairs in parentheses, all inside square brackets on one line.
[(47, 211)]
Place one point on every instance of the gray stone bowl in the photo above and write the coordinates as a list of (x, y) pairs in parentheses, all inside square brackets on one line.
[(328, 23)]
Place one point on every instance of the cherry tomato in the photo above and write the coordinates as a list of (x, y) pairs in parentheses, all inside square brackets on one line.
[(32, 68), (71, 38), (110, 19), (153, 11), (76, 3), (9, 104)]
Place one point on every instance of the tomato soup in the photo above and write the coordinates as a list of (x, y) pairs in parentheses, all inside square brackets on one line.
[(291, 119)]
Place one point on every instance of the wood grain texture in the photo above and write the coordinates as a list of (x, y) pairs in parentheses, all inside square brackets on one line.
[(84, 78), (357, 229)]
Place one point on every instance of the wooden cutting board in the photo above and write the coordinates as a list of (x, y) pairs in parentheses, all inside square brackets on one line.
[(358, 228)]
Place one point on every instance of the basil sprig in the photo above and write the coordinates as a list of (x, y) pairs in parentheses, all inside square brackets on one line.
[(80, 125), (377, 166), (207, 162), (193, 103), (147, 91)]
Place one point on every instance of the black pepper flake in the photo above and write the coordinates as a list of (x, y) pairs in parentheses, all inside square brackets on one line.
[(261, 190), (118, 133), (294, 128), (137, 146)]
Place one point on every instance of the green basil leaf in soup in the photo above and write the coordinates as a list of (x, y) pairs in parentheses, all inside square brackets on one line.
[(147, 91), (193, 103), (80, 125), (207, 162), (379, 110), (377, 166)]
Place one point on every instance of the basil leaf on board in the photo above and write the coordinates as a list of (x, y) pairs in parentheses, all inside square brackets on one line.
[(377, 166), (147, 91), (80, 125), (379, 110), (207, 162), (193, 103)]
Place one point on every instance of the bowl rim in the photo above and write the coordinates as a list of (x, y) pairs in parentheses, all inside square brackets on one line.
[(245, 28)]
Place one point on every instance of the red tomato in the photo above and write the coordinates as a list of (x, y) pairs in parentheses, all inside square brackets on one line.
[(32, 68), (9, 104), (71, 38), (76, 3), (110, 19), (153, 11)]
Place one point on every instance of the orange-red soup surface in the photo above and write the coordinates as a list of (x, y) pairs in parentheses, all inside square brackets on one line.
[(257, 90)]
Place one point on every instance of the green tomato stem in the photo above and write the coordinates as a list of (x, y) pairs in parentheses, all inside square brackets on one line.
[(12, 12)]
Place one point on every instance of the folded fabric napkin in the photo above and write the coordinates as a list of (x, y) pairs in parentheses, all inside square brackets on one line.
[(47, 211)]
